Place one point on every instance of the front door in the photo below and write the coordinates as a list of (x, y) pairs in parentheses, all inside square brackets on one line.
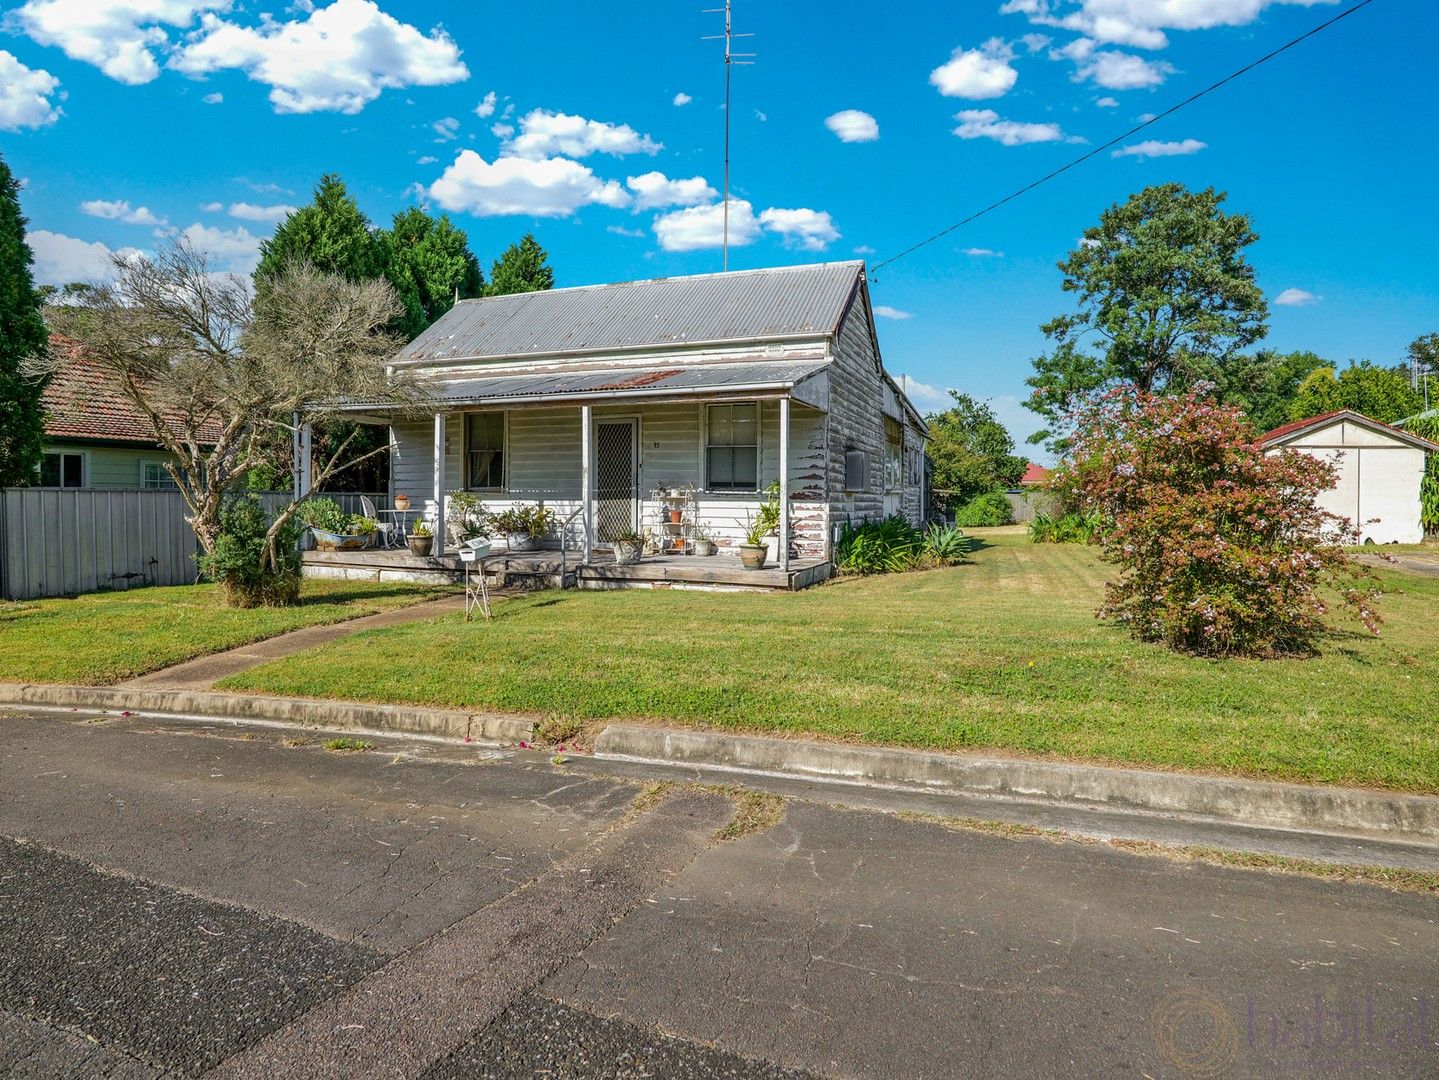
[(617, 488)]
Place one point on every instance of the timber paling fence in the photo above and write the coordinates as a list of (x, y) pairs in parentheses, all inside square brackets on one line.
[(61, 543)]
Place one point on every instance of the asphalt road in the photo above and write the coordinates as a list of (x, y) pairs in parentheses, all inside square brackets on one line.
[(179, 901)]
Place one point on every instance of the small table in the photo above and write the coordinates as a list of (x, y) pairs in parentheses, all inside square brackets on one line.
[(401, 520)]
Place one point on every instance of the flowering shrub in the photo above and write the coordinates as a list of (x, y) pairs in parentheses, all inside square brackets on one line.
[(1221, 549)]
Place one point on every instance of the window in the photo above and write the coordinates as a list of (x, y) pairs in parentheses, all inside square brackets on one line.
[(893, 455), (485, 451), (59, 470), (732, 448), (155, 477)]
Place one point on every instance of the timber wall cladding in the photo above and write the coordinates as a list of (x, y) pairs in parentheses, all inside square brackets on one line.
[(62, 543)]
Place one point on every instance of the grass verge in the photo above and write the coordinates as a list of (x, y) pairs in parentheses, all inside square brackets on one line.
[(103, 638), (1001, 654)]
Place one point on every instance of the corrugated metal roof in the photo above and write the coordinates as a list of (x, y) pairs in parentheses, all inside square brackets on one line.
[(742, 305), (629, 381)]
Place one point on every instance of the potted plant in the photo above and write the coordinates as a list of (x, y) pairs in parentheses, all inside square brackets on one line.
[(523, 526), (752, 552), (421, 539), (769, 519), (466, 518), (704, 541), (629, 546), (402, 501), (335, 530)]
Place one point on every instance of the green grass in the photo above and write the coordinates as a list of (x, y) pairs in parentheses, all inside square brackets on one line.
[(1003, 653), (106, 637)]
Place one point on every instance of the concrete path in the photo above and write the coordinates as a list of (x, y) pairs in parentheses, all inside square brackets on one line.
[(1422, 563), (177, 899), (205, 671)]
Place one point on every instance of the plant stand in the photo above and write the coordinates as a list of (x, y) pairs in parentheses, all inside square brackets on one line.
[(675, 537), (477, 591)]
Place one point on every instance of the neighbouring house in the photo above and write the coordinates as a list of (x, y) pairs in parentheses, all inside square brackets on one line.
[(95, 437), (1034, 476), (599, 400), (1380, 468)]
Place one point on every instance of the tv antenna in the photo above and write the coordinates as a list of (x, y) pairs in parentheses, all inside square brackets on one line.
[(730, 59)]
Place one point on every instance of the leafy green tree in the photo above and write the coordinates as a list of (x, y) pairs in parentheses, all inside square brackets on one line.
[(1265, 383), (971, 450), (332, 233), (429, 262), (523, 267), (1380, 393), (24, 342), (1163, 290)]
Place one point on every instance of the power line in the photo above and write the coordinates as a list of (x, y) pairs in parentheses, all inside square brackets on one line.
[(1120, 138)]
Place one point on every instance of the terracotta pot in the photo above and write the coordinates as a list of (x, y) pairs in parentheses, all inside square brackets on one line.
[(752, 556), (420, 545), (676, 517), (402, 502)]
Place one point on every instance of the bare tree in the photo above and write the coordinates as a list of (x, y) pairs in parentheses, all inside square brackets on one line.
[(216, 369)]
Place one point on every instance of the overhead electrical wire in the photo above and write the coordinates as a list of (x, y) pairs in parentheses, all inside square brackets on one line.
[(1191, 99)]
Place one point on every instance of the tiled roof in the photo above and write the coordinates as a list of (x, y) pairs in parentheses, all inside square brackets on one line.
[(83, 401), (1034, 474)]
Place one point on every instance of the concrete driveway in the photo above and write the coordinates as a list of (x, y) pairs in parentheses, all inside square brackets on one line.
[(182, 900)]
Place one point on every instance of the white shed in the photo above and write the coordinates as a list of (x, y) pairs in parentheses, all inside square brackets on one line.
[(1380, 468)]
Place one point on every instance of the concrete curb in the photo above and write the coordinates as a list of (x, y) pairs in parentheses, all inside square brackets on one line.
[(1248, 802), (304, 712)]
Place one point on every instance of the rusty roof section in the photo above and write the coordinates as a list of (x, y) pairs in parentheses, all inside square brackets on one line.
[(84, 401), (783, 303)]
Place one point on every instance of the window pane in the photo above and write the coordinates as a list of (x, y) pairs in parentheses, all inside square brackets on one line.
[(485, 446), (721, 426), (50, 470), (746, 424), (74, 465), (746, 467), (721, 470)]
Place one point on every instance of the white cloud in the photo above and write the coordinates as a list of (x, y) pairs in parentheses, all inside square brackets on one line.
[(213, 99), (213, 207), (1122, 71), (336, 59), (979, 73), (762, 117), (120, 37), (250, 212), (1297, 298), (701, 227), (544, 134), (922, 395), (61, 259), (864, 249), (1141, 23), (655, 189), (502, 130), (446, 129), (25, 95), (234, 250), (809, 230), (544, 187), (624, 230), (884, 311), (120, 210), (852, 125), (1035, 42), (1154, 148), (486, 107), (1108, 103), (982, 253), (428, 159), (987, 124), (682, 99)]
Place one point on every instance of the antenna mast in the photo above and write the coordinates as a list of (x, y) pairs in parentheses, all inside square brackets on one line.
[(730, 59)]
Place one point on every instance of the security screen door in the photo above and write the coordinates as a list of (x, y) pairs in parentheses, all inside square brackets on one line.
[(616, 477)]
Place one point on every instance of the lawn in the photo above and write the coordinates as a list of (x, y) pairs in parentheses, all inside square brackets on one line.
[(105, 637), (1001, 654)]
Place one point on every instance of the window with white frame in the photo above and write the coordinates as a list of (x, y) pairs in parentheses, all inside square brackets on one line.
[(62, 470), (485, 451), (155, 477), (893, 455), (732, 447)]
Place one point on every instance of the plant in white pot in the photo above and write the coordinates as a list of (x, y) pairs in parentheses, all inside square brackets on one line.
[(629, 546), (704, 541), (524, 526)]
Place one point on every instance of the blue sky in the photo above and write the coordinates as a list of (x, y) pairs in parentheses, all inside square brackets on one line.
[(858, 131)]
